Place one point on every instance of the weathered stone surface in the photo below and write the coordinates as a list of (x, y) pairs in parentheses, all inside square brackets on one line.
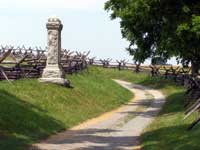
[(53, 72), (59, 81)]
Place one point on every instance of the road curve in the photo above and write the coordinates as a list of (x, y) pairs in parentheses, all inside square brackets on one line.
[(116, 130)]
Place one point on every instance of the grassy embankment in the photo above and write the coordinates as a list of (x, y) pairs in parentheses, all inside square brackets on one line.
[(30, 111)]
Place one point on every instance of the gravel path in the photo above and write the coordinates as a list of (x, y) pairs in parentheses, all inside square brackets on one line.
[(116, 130)]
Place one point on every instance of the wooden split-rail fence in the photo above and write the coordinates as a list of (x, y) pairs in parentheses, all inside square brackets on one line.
[(22, 62)]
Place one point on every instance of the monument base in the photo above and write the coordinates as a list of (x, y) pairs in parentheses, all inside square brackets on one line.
[(53, 71), (53, 74), (59, 81)]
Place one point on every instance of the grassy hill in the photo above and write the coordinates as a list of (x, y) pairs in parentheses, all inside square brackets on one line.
[(30, 110)]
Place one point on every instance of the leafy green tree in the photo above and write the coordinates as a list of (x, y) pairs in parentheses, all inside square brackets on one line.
[(162, 28)]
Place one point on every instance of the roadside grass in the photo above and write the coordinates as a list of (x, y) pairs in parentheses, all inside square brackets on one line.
[(30, 111), (168, 130)]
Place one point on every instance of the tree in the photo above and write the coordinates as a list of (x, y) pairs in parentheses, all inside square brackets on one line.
[(162, 28), (189, 36)]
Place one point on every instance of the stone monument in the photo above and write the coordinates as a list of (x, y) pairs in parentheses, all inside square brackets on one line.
[(53, 72)]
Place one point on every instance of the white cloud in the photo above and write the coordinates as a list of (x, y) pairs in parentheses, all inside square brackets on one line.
[(55, 4)]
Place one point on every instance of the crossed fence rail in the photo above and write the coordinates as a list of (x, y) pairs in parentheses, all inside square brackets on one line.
[(22, 62)]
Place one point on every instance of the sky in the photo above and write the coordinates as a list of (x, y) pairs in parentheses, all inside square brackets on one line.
[(87, 26)]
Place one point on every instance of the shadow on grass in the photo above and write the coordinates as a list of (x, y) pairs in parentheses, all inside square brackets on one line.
[(22, 123), (171, 138), (174, 98), (169, 132), (174, 103), (156, 82)]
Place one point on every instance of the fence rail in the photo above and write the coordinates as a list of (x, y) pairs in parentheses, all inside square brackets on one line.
[(22, 62)]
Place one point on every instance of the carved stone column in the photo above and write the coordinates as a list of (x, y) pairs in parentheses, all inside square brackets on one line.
[(53, 72)]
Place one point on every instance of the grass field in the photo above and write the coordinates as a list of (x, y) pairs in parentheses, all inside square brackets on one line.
[(30, 111)]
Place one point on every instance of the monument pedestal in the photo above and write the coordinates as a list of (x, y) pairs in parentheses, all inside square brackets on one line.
[(53, 72), (59, 81)]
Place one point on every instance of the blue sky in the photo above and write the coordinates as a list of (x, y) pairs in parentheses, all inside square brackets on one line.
[(86, 26)]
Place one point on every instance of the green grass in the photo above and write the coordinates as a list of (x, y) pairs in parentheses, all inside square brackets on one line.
[(30, 111), (168, 131)]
